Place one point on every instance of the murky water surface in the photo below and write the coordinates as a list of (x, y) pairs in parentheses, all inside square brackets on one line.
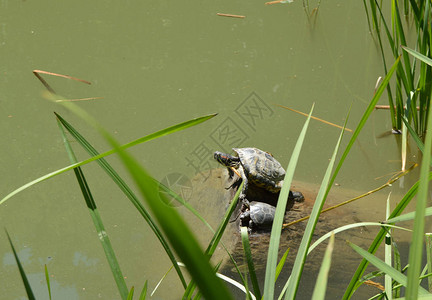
[(157, 63)]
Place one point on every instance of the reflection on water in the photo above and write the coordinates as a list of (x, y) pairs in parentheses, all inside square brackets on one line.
[(157, 64)]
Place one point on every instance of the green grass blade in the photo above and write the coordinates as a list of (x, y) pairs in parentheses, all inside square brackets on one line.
[(281, 263), (388, 254), (48, 281), (97, 221), (348, 227), (130, 295), (418, 55), (127, 191), (395, 274), (272, 255), (310, 227), (27, 286), (222, 226), (157, 134), (249, 260), (321, 283), (414, 134), (398, 267), (429, 258), (176, 231), (144, 291), (408, 216), (401, 35), (400, 207), (216, 239), (416, 247)]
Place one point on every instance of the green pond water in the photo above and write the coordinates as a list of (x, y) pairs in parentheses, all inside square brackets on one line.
[(158, 63)]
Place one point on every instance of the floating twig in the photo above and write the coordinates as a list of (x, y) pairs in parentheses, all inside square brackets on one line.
[(38, 73), (375, 284), (315, 118), (231, 16), (388, 183), (279, 1), (80, 99)]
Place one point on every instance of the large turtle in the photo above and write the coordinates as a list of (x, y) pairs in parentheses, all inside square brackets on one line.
[(255, 166)]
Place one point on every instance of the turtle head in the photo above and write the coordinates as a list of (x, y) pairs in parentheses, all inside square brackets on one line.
[(226, 159)]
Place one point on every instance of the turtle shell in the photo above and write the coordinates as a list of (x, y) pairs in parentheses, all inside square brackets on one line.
[(262, 214), (261, 168)]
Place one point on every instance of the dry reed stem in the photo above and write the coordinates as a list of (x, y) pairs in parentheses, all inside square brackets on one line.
[(315, 118), (80, 99), (51, 90), (60, 75), (375, 284), (231, 16)]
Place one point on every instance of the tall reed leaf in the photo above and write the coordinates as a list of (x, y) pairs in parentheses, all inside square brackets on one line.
[(27, 286), (321, 283), (216, 239), (249, 260), (416, 248), (127, 191), (395, 274), (97, 221), (48, 282), (177, 232), (272, 256), (297, 270), (400, 207), (418, 55), (157, 134)]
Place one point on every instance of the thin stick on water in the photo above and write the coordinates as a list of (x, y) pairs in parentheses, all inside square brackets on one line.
[(230, 15), (315, 118)]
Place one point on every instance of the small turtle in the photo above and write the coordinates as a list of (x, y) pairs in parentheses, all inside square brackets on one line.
[(253, 165), (259, 215)]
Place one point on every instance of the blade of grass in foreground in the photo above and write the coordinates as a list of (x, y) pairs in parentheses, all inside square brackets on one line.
[(400, 207), (281, 264), (272, 256), (152, 136), (297, 270), (130, 295), (416, 247), (251, 267), (215, 241), (418, 55), (27, 286), (143, 292), (177, 232), (97, 221), (395, 274), (126, 190), (48, 281), (321, 283), (388, 254)]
